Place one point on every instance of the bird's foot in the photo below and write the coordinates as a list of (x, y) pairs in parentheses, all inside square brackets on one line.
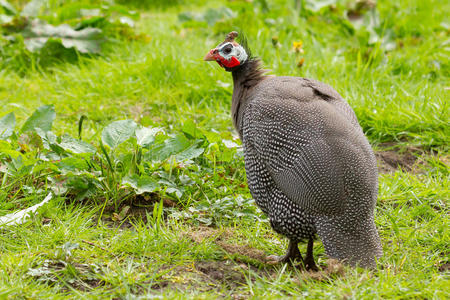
[(292, 255), (310, 265), (286, 259), (276, 259)]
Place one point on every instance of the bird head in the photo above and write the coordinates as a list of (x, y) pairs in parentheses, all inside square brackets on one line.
[(228, 54)]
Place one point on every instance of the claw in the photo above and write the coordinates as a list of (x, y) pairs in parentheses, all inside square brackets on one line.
[(276, 259), (290, 257), (293, 254), (272, 260), (311, 267)]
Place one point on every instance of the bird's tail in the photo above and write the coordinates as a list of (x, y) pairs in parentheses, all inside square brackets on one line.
[(354, 242)]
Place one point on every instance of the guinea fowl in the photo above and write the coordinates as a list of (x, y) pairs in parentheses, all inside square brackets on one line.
[(309, 166)]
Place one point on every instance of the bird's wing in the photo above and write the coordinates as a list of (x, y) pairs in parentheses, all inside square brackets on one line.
[(298, 142), (325, 92)]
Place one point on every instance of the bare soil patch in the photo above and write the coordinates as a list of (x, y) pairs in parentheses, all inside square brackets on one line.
[(243, 250), (203, 276), (229, 279), (223, 272), (201, 233), (221, 239), (392, 158)]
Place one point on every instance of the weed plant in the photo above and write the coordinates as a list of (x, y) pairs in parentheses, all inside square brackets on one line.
[(136, 148)]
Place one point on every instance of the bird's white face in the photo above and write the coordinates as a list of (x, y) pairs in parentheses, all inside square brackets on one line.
[(228, 51), (228, 54)]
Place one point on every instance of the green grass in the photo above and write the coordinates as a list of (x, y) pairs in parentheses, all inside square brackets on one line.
[(400, 96)]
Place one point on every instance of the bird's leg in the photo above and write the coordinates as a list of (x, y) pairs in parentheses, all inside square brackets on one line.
[(309, 259), (291, 255)]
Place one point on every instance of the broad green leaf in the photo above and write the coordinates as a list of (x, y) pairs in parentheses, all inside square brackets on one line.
[(131, 181), (7, 124), (48, 138), (146, 136), (9, 9), (42, 118), (38, 33), (118, 132), (70, 144), (173, 190), (169, 147), (141, 184), (83, 184), (44, 165), (146, 185), (72, 164), (189, 153), (212, 136), (191, 130), (33, 8)]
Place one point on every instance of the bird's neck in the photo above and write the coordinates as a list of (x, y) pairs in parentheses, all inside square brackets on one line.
[(245, 78)]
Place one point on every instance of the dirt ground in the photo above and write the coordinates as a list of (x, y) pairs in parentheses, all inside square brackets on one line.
[(391, 160)]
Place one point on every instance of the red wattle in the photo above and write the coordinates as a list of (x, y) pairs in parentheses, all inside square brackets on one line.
[(233, 62)]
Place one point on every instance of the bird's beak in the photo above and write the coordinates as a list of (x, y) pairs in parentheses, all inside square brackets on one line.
[(210, 55)]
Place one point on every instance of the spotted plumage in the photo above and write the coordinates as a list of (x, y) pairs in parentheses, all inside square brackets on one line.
[(309, 166)]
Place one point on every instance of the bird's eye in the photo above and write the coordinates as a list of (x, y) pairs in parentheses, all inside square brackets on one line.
[(227, 50)]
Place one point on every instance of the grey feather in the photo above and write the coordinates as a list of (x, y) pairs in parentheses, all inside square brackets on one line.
[(309, 166)]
